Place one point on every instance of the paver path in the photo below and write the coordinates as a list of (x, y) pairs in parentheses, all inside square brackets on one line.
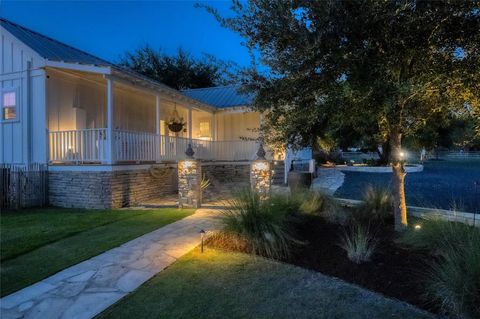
[(328, 180), (88, 288)]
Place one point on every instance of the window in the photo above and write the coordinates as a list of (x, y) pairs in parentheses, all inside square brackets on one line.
[(204, 129), (9, 105)]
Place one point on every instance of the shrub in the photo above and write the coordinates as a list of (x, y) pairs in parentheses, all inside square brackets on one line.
[(371, 162), (359, 244), (285, 203), (376, 206), (453, 279), (262, 227)]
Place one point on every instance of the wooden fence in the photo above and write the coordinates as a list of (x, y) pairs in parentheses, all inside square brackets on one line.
[(23, 186)]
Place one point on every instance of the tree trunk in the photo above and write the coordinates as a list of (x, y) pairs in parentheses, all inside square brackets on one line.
[(384, 156), (398, 182)]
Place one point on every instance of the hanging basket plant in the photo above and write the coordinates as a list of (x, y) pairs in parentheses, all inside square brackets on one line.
[(176, 123), (175, 126)]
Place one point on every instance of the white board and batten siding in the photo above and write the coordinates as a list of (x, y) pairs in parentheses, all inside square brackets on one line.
[(23, 140)]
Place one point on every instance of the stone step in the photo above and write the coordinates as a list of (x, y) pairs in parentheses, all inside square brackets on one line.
[(279, 173)]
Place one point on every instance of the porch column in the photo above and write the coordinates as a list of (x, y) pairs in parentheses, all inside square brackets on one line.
[(190, 124), (214, 127), (157, 126), (110, 140), (157, 114)]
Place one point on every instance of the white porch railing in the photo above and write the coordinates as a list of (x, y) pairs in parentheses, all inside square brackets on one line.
[(135, 146), (87, 145), (90, 145)]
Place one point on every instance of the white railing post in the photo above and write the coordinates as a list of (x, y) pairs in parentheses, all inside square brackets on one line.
[(110, 138), (190, 124), (157, 126)]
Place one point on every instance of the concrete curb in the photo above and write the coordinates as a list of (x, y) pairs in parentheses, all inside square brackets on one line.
[(427, 213), (411, 168)]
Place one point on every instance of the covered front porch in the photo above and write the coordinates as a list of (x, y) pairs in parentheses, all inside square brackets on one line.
[(110, 119)]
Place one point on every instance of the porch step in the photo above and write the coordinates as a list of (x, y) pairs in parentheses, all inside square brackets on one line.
[(278, 173)]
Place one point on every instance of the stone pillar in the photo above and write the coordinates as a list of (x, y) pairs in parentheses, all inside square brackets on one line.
[(189, 181), (261, 174), (260, 177)]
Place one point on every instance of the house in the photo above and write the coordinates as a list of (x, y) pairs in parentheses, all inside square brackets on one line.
[(110, 136)]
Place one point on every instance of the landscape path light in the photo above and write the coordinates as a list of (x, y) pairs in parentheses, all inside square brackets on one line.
[(202, 237)]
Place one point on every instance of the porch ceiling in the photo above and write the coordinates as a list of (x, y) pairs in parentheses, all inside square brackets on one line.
[(141, 86), (132, 78)]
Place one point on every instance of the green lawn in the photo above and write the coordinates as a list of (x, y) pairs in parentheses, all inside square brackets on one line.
[(218, 284), (38, 243)]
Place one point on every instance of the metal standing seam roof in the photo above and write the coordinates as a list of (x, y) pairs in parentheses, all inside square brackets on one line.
[(221, 96), (53, 50), (49, 48)]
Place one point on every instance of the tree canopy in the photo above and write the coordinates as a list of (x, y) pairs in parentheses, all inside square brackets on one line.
[(179, 71), (390, 66)]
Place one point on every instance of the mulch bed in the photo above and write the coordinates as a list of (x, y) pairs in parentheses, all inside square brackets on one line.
[(393, 271)]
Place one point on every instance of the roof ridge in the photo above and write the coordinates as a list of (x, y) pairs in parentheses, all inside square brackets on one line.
[(213, 87), (56, 41)]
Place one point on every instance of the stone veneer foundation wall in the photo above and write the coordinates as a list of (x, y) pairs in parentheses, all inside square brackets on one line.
[(226, 179), (110, 189), (129, 186), (226, 172)]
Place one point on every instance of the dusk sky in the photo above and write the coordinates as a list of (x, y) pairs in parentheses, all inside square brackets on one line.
[(107, 28)]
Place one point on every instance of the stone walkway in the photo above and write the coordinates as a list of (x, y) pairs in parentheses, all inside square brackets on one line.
[(88, 288), (328, 180)]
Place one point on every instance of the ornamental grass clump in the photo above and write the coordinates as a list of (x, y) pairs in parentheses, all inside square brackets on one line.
[(452, 279), (253, 225), (313, 202), (320, 204), (359, 243), (376, 206)]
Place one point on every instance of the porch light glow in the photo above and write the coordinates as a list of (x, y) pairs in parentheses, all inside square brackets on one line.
[(188, 164), (260, 177), (261, 166)]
